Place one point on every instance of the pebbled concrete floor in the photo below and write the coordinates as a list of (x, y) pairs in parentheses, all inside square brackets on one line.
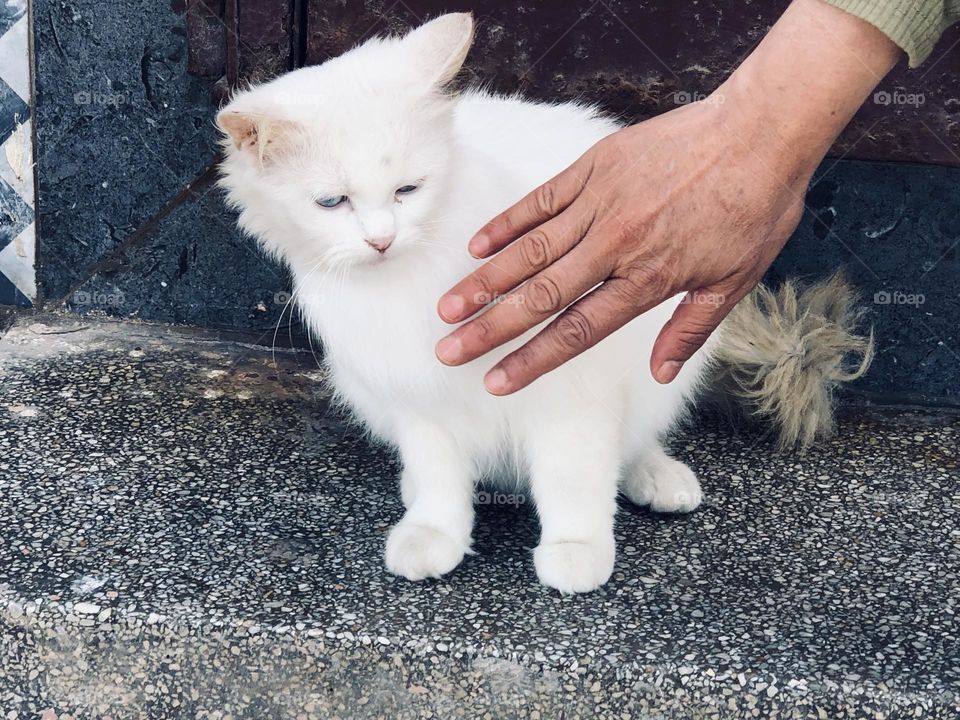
[(188, 530)]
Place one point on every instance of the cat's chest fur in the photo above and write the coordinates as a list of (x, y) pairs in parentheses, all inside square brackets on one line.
[(379, 330)]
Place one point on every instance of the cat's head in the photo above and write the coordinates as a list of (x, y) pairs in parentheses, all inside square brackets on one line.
[(344, 162)]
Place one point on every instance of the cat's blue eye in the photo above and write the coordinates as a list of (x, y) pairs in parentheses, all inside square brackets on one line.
[(331, 202), (406, 189)]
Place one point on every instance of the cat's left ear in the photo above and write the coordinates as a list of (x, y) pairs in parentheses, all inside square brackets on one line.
[(260, 135), (441, 46)]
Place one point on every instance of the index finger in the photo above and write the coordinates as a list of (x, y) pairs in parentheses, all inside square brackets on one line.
[(536, 207), (581, 326)]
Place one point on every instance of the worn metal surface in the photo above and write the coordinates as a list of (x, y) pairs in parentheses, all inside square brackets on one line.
[(266, 38), (206, 39), (639, 59)]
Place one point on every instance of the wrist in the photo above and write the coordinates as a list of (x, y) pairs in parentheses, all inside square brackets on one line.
[(801, 86)]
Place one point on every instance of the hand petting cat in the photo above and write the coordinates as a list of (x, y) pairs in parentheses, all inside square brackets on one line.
[(698, 200), (364, 174)]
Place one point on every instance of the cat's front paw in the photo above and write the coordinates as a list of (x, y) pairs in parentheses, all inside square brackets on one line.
[(667, 486), (575, 567), (416, 551)]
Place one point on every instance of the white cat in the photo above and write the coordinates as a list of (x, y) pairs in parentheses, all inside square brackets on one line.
[(367, 179)]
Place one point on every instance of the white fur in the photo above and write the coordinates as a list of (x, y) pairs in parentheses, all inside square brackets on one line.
[(363, 125)]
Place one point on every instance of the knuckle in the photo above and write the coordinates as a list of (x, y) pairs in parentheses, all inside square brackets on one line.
[(484, 330), (574, 330), (543, 295), (521, 363), (503, 225), (690, 338), (484, 292), (545, 199), (645, 280), (535, 249)]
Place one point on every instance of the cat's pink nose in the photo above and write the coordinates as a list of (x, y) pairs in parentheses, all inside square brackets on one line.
[(380, 244)]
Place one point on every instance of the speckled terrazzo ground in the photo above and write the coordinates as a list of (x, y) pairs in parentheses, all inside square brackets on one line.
[(188, 531)]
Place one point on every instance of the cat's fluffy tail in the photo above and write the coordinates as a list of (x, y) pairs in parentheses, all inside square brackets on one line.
[(782, 355)]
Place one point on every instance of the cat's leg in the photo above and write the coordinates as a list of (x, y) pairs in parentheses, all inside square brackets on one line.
[(651, 477), (437, 489), (574, 464)]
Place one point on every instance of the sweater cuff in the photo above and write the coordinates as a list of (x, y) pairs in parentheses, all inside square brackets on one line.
[(914, 25)]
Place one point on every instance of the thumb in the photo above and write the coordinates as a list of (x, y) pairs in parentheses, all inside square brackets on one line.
[(694, 320)]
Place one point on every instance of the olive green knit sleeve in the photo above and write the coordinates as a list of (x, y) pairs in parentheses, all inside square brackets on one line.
[(914, 25)]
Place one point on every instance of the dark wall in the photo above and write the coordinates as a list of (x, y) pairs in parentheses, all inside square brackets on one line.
[(131, 225), (895, 230)]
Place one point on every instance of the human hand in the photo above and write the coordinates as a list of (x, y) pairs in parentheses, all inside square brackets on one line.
[(700, 199)]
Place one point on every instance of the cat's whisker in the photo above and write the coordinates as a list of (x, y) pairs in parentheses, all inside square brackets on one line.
[(290, 305), (329, 259)]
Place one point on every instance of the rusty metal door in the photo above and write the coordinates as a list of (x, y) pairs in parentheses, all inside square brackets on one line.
[(634, 58)]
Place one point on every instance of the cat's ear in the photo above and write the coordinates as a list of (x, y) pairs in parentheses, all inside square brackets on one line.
[(441, 46), (260, 135)]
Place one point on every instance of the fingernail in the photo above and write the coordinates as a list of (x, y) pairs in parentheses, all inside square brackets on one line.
[(451, 307), (668, 371), (478, 245), (497, 382), (449, 349)]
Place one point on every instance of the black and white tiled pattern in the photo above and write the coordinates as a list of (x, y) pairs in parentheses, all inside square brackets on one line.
[(17, 226)]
